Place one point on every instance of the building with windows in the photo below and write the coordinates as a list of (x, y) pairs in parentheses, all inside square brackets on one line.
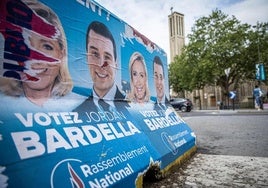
[(209, 97), (176, 34)]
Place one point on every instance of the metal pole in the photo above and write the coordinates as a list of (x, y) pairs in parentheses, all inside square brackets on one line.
[(259, 58), (227, 72)]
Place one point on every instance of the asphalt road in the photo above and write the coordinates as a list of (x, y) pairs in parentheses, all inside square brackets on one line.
[(232, 151), (230, 133)]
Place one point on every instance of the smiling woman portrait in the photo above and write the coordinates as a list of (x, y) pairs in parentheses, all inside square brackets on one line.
[(139, 90), (53, 80)]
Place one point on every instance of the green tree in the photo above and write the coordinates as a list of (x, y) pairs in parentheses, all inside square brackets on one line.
[(217, 43), (258, 46)]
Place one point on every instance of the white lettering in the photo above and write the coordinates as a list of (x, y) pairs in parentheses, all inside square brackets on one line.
[(75, 119), (149, 124), (106, 131), (88, 4), (111, 178), (94, 138), (105, 116), (55, 116), (55, 141), (161, 122), (151, 113), (86, 170), (44, 119), (75, 135), (28, 144), (28, 122)]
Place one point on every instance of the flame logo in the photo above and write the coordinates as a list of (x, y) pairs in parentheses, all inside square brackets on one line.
[(75, 179)]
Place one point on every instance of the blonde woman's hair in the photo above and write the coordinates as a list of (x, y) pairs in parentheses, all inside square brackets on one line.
[(136, 56), (63, 82)]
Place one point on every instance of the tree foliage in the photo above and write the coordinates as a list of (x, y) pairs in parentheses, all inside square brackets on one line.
[(219, 42)]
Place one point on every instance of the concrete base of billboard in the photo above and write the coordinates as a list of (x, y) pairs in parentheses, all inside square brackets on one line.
[(160, 174)]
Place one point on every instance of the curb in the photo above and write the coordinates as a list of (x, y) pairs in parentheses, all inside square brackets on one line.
[(232, 111)]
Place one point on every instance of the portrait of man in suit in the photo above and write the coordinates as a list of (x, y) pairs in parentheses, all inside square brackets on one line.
[(159, 83), (102, 64)]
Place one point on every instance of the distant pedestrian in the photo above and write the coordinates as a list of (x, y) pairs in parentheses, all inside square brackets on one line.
[(257, 93)]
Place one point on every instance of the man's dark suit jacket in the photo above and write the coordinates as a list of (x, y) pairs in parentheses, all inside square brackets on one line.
[(88, 105), (165, 105)]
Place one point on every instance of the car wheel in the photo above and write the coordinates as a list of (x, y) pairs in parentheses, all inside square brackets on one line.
[(183, 109)]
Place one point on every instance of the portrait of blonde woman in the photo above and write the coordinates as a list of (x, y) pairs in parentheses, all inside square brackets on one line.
[(139, 90), (53, 81)]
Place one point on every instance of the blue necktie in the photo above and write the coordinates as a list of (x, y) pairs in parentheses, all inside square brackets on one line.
[(163, 107), (105, 106)]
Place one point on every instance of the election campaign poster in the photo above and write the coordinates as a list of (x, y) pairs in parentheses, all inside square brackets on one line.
[(84, 98)]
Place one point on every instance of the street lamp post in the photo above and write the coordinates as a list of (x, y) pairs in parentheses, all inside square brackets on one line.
[(260, 74), (257, 27), (227, 72)]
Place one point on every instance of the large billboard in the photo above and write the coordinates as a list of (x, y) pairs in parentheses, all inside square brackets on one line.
[(84, 98)]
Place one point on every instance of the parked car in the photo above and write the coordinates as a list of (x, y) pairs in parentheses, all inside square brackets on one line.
[(182, 104)]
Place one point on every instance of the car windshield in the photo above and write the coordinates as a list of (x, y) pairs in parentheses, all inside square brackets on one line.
[(179, 99)]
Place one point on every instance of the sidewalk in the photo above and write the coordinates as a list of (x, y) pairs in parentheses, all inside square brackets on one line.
[(232, 111), (217, 171), (225, 171), (205, 170)]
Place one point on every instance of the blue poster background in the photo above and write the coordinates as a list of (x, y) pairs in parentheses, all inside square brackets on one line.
[(61, 145)]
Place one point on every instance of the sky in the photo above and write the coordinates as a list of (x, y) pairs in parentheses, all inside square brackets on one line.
[(150, 17)]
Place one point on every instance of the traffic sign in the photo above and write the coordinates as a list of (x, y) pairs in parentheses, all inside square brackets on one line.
[(232, 94)]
